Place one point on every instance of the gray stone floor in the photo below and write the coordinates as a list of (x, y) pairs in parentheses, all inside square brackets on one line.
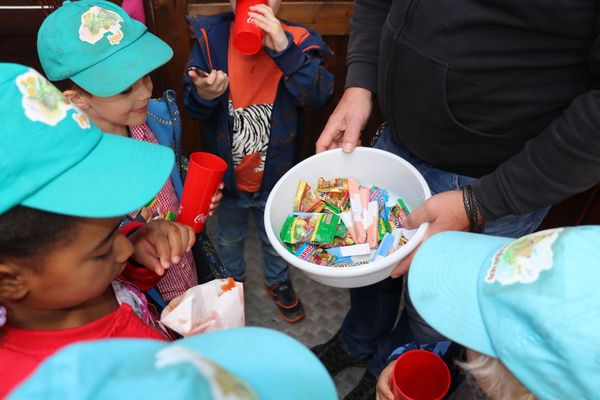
[(325, 309), (325, 306)]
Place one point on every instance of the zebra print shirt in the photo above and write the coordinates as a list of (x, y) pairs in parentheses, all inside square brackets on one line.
[(251, 131)]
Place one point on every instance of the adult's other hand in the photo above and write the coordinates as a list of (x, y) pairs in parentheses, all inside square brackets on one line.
[(345, 125)]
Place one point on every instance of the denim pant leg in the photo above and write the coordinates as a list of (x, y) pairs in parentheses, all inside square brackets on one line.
[(275, 267), (232, 216), (373, 312)]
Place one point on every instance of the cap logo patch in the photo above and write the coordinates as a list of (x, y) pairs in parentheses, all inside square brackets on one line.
[(223, 384), (96, 22), (45, 103), (522, 260)]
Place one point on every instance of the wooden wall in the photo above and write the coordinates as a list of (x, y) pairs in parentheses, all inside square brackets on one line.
[(20, 20)]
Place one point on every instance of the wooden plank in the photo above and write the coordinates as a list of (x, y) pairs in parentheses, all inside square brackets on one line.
[(20, 21), (167, 20), (331, 18)]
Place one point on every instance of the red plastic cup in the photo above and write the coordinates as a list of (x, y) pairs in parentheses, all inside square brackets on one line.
[(247, 37), (203, 178), (420, 375)]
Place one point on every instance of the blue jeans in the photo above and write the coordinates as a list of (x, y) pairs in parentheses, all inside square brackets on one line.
[(368, 328), (232, 226)]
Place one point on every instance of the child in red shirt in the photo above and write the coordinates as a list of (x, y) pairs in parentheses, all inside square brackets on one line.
[(64, 271)]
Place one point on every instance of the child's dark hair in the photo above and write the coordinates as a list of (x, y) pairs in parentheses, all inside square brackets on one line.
[(26, 233)]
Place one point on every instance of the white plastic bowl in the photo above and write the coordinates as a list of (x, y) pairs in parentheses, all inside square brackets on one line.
[(369, 167)]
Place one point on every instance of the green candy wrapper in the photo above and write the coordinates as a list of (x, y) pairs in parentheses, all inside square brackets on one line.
[(310, 228), (382, 228)]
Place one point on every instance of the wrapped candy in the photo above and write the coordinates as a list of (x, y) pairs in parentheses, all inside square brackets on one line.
[(349, 251), (334, 193), (306, 200), (347, 220), (356, 208), (314, 254), (309, 228), (382, 228), (397, 218), (384, 247), (403, 206), (371, 229), (372, 220)]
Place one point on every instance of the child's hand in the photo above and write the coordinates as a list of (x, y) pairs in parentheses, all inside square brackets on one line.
[(274, 38), (159, 243), (212, 86), (384, 383), (214, 202)]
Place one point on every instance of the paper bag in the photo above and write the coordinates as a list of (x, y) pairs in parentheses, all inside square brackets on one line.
[(214, 305)]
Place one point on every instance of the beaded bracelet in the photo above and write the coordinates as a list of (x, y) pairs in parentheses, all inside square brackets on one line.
[(472, 209)]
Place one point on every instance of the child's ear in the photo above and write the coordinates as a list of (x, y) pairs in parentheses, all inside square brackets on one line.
[(77, 98), (12, 284)]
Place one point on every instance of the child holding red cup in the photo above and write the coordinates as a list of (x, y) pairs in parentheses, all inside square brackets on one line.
[(251, 99)]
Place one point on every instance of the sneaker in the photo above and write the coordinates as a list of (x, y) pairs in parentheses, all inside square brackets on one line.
[(335, 358), (287, 301), (365, 390)]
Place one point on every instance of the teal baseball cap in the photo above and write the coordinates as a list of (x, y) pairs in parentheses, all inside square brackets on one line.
[(98, 46), (53, 158), (533, 303), (232, 364)]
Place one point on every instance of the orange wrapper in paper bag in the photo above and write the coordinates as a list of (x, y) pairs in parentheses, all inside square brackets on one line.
[(218, 304)]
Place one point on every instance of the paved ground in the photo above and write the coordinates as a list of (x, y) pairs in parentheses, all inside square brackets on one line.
[(325, 306)]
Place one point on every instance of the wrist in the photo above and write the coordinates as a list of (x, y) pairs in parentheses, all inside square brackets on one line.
[(281, 44), (355, 92), (203, 96), (471, 205)]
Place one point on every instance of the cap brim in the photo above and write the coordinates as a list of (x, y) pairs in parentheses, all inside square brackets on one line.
[(122, 69), (118, 176), (443, 285), (273, 364)]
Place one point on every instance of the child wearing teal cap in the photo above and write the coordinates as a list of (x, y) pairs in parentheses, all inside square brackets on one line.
[(65, 185), (527, 309), (199, 367), (102, 58)]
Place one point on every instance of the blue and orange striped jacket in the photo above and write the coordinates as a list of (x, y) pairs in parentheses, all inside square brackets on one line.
[(305, 83)]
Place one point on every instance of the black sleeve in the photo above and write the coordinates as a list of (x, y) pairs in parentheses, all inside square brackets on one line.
[(562, 161), (367, 20)]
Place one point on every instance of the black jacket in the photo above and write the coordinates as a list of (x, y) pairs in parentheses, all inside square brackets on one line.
[(503, 90)]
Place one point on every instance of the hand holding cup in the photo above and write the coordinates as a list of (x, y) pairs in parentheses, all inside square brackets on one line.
[(274, 36), (201, 189)]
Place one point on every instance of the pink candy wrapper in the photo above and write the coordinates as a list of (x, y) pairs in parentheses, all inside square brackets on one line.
[(356, 208), (372, 213)]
